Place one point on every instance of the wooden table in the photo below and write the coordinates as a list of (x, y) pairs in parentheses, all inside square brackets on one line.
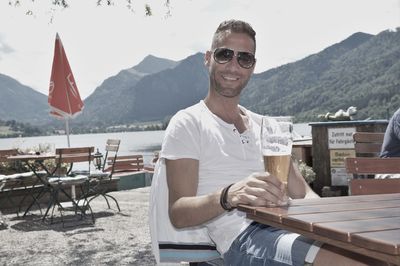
[(367, 224)]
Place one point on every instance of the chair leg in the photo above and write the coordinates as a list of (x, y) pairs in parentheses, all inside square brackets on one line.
[(35, 201), (102, 192), (116, 202), (51, 202)]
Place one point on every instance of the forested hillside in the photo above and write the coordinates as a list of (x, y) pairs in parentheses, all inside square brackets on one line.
[(361, 71)]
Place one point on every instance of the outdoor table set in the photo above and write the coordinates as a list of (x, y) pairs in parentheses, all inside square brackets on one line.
[(366, 224), (54, 182)]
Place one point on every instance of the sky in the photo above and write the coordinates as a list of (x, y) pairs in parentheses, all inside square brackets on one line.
[(102, 41)]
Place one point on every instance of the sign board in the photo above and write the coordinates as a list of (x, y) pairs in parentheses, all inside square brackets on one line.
[(341, 138), (339, 177), (338, 157)]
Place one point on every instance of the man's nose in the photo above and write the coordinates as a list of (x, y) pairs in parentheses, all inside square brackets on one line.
[(234, 63)]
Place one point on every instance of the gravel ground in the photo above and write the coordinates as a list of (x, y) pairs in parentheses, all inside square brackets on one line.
[(116, 238)]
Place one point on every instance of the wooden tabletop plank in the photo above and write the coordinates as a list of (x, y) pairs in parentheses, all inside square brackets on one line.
[(385, 241), (276, 213), (344, 199), (332, 200), (343, 230), (306, 221), (28, 157)]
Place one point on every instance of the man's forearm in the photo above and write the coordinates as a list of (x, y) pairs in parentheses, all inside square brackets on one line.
[(194, 211)]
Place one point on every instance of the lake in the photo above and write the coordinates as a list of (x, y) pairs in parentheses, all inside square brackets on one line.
[(139, 142)]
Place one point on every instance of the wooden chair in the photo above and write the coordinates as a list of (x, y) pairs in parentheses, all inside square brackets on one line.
[(370, 165), (59, 181), (368, 144), (114, 164), (367, 163), (98, 179)]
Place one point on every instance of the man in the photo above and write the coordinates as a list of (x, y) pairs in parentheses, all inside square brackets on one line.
[(211, 162), (391, 141)]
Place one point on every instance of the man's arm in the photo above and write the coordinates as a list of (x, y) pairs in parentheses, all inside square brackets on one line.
[(185, 208), (297, 185)]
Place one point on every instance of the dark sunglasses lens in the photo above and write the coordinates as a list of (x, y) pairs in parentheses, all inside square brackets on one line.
[(246, 60), (223, 55)]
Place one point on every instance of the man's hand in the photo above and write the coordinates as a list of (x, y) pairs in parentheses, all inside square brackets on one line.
[(258, 189)]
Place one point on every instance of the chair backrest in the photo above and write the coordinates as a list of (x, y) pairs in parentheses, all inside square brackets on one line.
[(126, 163), (73, 155), (6, 166), (369, 165), (368, 144), (374, 186), (5, 153), (112, 147)]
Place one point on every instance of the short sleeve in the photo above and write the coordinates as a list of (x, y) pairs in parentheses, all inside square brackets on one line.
[(182, 139)]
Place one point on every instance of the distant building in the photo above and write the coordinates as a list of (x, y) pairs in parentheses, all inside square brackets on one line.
[(59, 131)]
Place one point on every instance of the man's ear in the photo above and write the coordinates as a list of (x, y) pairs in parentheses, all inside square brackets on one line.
[(207, 58)]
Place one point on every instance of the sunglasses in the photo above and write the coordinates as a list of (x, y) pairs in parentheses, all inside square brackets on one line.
[(244, 59)]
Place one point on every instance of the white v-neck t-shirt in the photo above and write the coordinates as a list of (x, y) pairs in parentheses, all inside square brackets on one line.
[(225, 156)]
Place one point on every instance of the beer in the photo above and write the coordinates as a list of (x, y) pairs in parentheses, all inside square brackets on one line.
[(277, 165)]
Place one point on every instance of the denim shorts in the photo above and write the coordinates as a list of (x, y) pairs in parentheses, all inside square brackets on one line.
[(261, 244)]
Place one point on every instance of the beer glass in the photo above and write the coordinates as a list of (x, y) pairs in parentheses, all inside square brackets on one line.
[(276, 145)]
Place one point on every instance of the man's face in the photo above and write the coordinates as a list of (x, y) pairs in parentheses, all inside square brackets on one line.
[(229, 79)]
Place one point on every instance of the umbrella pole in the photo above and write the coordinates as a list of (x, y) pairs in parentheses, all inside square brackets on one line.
[(67, 130), (73, 194)]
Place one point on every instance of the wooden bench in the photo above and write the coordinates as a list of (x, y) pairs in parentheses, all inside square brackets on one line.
[(125, 163)]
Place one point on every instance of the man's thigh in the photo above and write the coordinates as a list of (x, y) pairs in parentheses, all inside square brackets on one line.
[(265, 245)]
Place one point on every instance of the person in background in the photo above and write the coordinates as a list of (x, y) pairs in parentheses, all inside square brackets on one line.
[(391, 141), (211, 162)]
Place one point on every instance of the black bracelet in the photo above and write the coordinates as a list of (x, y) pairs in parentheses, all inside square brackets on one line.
[(223, 199)]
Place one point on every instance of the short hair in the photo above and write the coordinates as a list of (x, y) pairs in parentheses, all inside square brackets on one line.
[(233, 26)]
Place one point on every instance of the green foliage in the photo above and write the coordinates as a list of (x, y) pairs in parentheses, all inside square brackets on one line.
[(16, 129), (361, 71), (65, 4), (306, 171)]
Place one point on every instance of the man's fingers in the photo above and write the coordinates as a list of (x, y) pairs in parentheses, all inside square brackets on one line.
[(267, 183), (269, 193), (267, 177)]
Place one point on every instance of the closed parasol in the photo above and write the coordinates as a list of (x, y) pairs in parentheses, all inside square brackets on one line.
[(64, 99)]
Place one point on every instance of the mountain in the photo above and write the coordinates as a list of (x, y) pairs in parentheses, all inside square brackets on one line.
[(148, 98), (22, 103), (166, 92), (363, 71), (102, 105)]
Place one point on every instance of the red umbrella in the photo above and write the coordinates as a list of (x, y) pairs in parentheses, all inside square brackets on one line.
[(64, 99)]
